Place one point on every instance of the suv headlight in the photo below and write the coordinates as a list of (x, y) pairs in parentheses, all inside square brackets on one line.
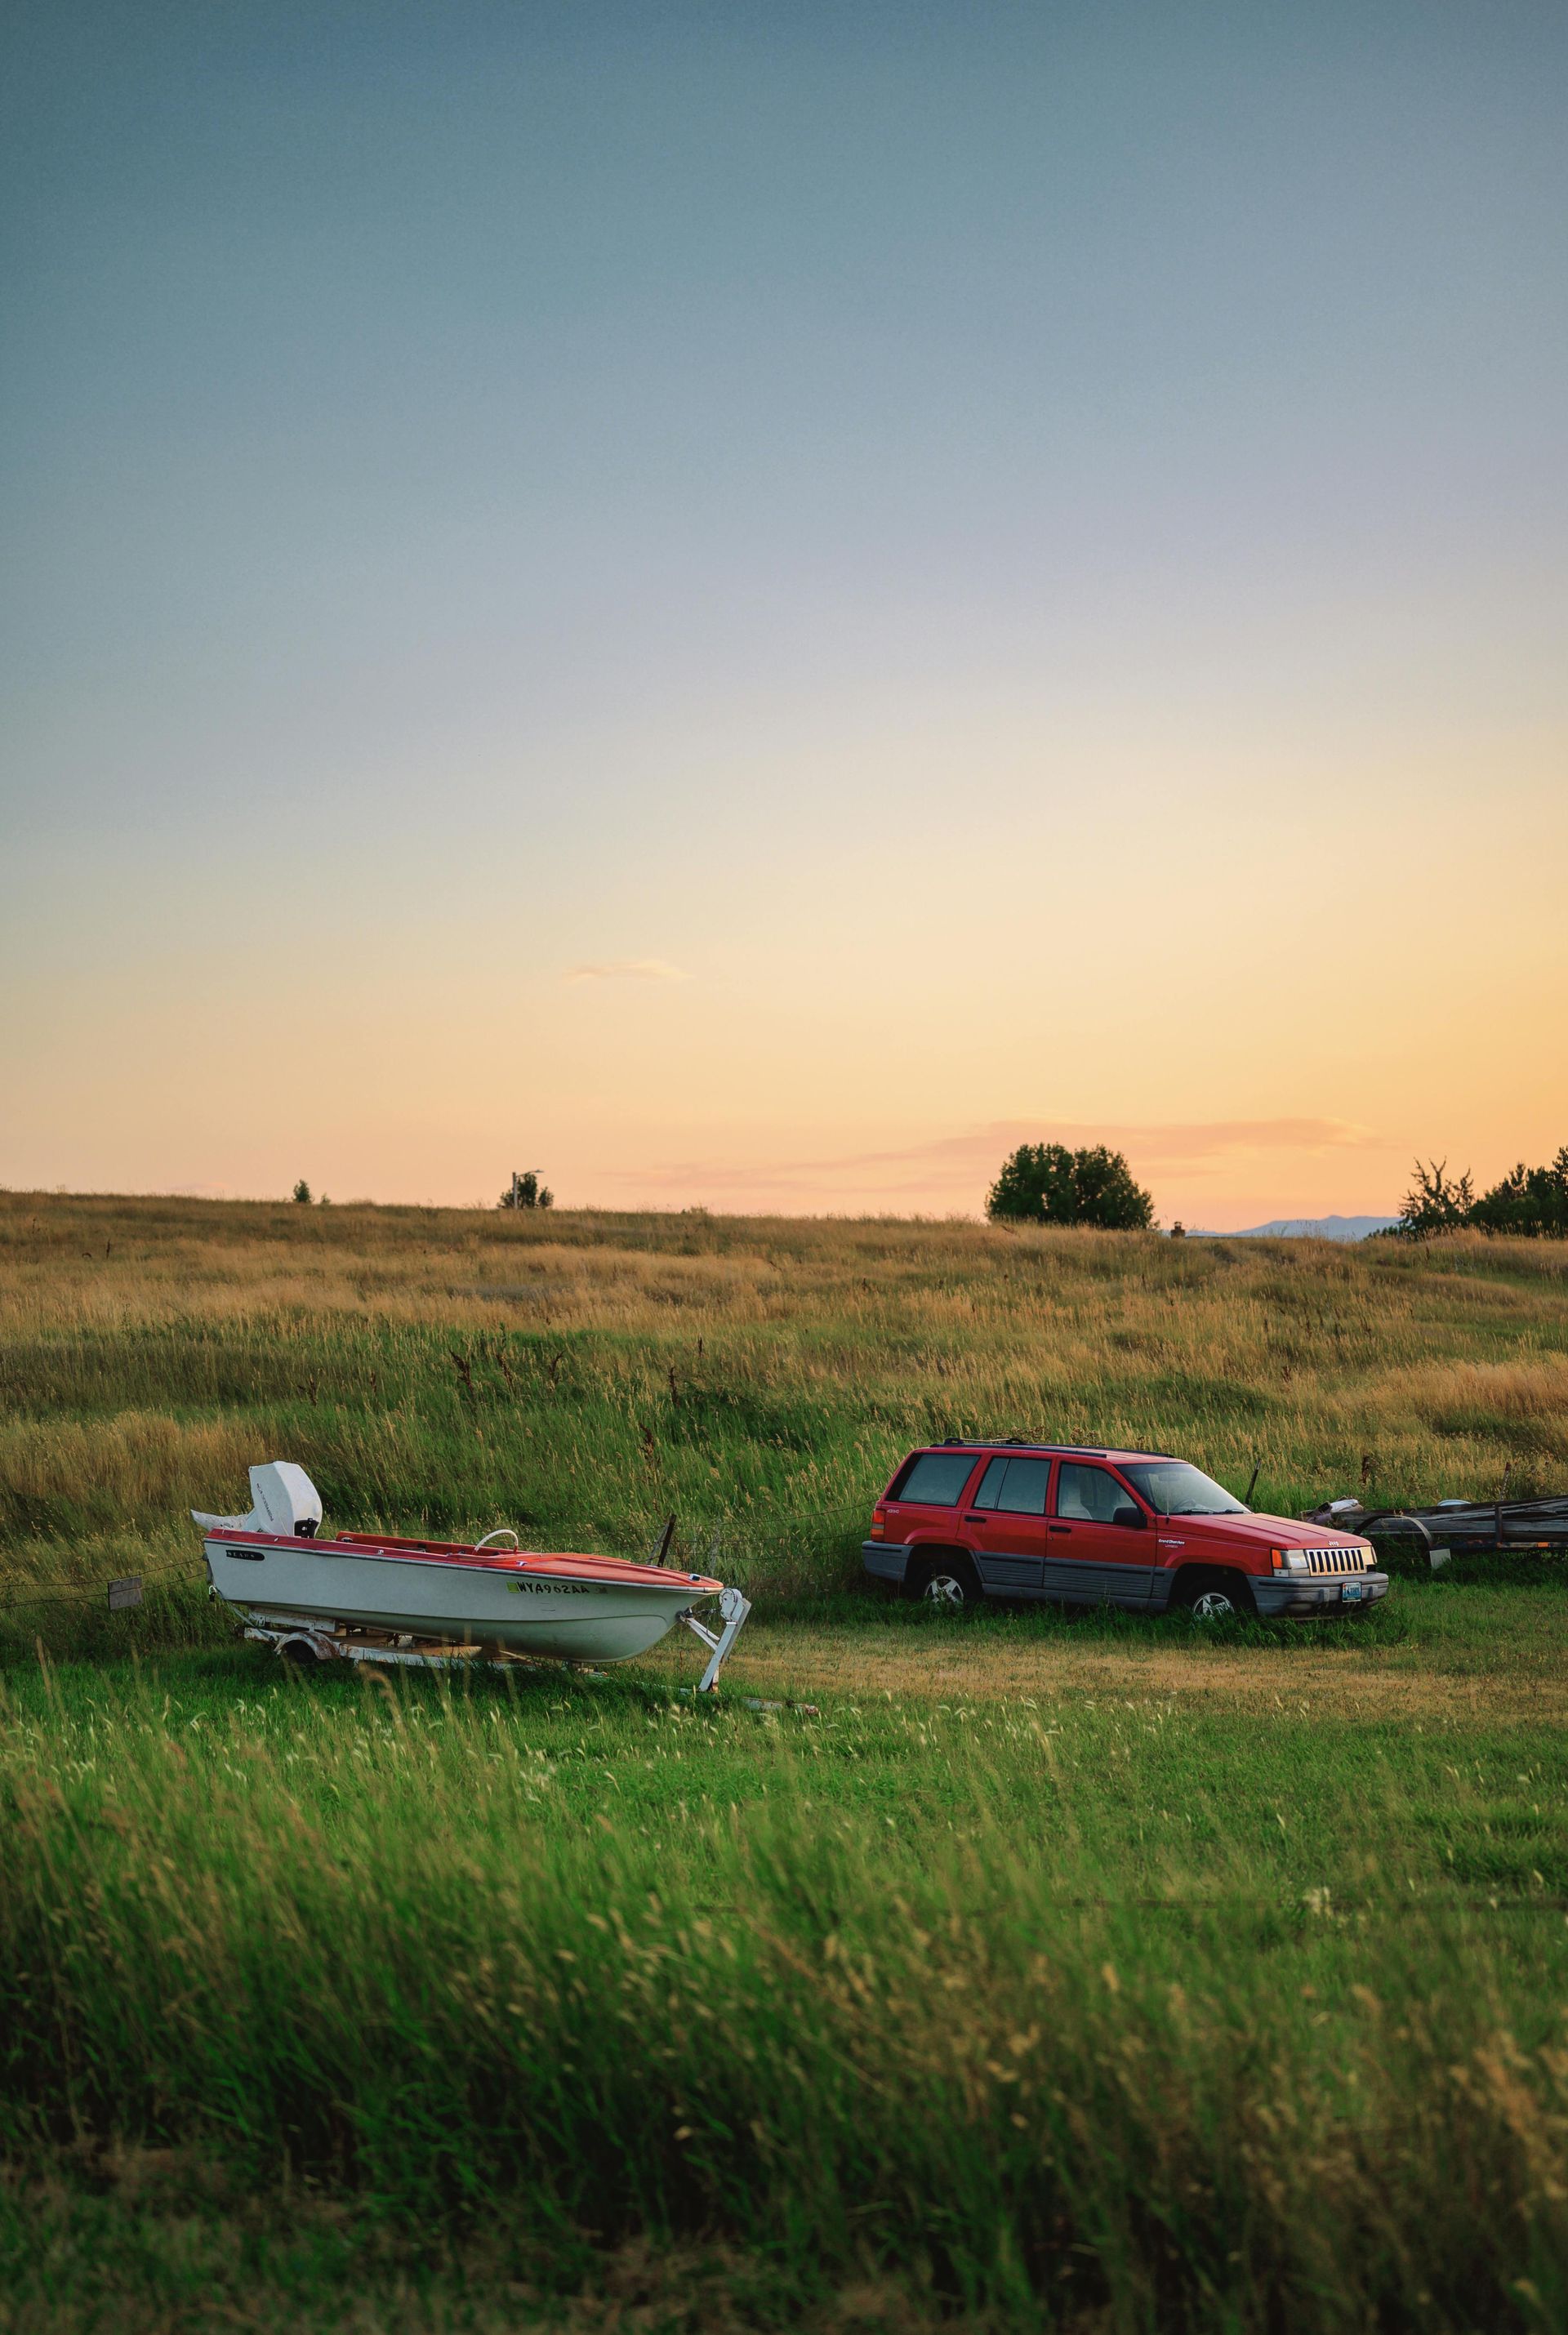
[(1289, 1560)]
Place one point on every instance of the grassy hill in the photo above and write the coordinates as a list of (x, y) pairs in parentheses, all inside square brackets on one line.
[(1095, 1973), (582, 1375)]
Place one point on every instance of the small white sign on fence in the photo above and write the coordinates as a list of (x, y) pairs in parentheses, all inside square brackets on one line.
[(125, 1593)]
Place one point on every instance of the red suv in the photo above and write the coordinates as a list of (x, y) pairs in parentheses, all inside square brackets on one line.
[(962, 1521)]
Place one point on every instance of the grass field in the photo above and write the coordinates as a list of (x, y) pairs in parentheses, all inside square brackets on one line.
[(1095, 1973)]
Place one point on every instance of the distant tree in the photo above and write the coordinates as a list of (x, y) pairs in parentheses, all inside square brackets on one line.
[(1436, 1202), (1529, 1201), (1047, 1184), (526, 1191), (302, 1193), (1035, 1187)]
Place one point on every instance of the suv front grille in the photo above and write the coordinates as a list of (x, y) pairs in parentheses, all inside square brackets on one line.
[(1338, 1560)]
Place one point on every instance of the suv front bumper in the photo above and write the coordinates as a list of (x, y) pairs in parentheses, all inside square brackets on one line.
[(1316, 1596)]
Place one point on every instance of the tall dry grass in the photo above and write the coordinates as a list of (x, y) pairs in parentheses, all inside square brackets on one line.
[(584, 1374)]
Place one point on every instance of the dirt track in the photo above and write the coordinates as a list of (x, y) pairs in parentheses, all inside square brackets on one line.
[(1418, 1684)]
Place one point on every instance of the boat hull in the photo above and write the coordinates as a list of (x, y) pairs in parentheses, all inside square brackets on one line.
[(522, 1605)]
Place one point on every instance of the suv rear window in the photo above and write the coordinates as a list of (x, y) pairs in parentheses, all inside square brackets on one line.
[(936, 1478), (1015, 1486)]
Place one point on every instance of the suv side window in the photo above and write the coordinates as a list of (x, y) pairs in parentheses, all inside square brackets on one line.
[(1089, 1494), (1016, 1487), (937, 1479)]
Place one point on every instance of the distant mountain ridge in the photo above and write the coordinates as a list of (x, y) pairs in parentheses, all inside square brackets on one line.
[(1334, 1228)]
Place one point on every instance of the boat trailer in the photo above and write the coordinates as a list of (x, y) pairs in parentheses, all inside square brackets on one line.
[(1451, 1528), (301, 1640)]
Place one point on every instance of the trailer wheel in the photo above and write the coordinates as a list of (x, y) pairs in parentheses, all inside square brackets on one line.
[(300, 1651)]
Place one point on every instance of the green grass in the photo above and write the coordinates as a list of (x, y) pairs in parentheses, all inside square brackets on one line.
[(1089, 1972), (1107, 2007)]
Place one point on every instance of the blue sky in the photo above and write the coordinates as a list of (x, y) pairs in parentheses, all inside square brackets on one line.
[(1034, 534)]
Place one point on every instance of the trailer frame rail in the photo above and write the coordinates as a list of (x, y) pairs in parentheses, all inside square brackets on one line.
[(304, 1638)]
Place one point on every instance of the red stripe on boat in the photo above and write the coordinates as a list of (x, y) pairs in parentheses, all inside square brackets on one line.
[(571, 1564)]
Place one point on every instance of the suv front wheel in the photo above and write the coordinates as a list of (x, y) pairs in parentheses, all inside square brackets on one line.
[(950, 1582), (1215, 1596)]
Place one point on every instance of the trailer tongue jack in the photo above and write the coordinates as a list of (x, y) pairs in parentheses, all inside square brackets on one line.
[(732, 1611)]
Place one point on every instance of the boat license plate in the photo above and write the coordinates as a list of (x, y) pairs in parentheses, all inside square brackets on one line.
[(1353, 1592)]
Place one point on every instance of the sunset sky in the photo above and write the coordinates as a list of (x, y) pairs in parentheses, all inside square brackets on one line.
[(752, 605)]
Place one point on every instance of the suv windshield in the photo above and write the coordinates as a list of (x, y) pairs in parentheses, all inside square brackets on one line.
[(1171, 1488)]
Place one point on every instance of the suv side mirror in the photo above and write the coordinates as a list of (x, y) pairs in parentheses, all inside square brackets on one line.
[(1129, 1515)]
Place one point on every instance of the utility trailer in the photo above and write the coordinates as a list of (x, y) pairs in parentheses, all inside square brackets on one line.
[(1451, 1528), (305, 1641)]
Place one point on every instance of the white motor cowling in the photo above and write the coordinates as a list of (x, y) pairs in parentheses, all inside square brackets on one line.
[(284, 1500)]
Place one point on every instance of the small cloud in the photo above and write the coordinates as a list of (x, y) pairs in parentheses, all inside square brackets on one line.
[(627, 968), (951, 1171), (954, 1161)]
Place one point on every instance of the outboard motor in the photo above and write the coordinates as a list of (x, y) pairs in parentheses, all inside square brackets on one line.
[(284, 1500)]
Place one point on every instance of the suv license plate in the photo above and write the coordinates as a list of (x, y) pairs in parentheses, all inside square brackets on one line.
[(1353, 1592)]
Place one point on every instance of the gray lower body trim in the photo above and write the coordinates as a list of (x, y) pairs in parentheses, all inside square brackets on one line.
[(1081, 1581), (885, 1560), (1008, 1576), (1142, 1588)]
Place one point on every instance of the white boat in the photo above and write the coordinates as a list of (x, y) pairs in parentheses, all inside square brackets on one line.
[(276, 1569)]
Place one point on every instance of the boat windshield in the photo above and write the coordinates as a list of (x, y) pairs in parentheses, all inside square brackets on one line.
[(1172, 1488)]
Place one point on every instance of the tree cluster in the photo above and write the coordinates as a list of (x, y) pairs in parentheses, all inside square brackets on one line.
[(1530, 1203), (526, 1191), (1047, 1183)]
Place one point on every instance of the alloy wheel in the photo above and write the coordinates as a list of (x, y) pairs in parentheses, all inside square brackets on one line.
[(1213, 1605)]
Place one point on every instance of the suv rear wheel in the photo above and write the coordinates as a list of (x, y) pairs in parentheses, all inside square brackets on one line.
[(1215, 1596), (948, 1580)]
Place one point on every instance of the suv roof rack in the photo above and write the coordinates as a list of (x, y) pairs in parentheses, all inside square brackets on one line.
[(1019, 1442), (1011, 1443)]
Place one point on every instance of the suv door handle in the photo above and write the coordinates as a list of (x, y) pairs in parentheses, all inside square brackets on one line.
[(975, 1517), (1060, 1527)]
